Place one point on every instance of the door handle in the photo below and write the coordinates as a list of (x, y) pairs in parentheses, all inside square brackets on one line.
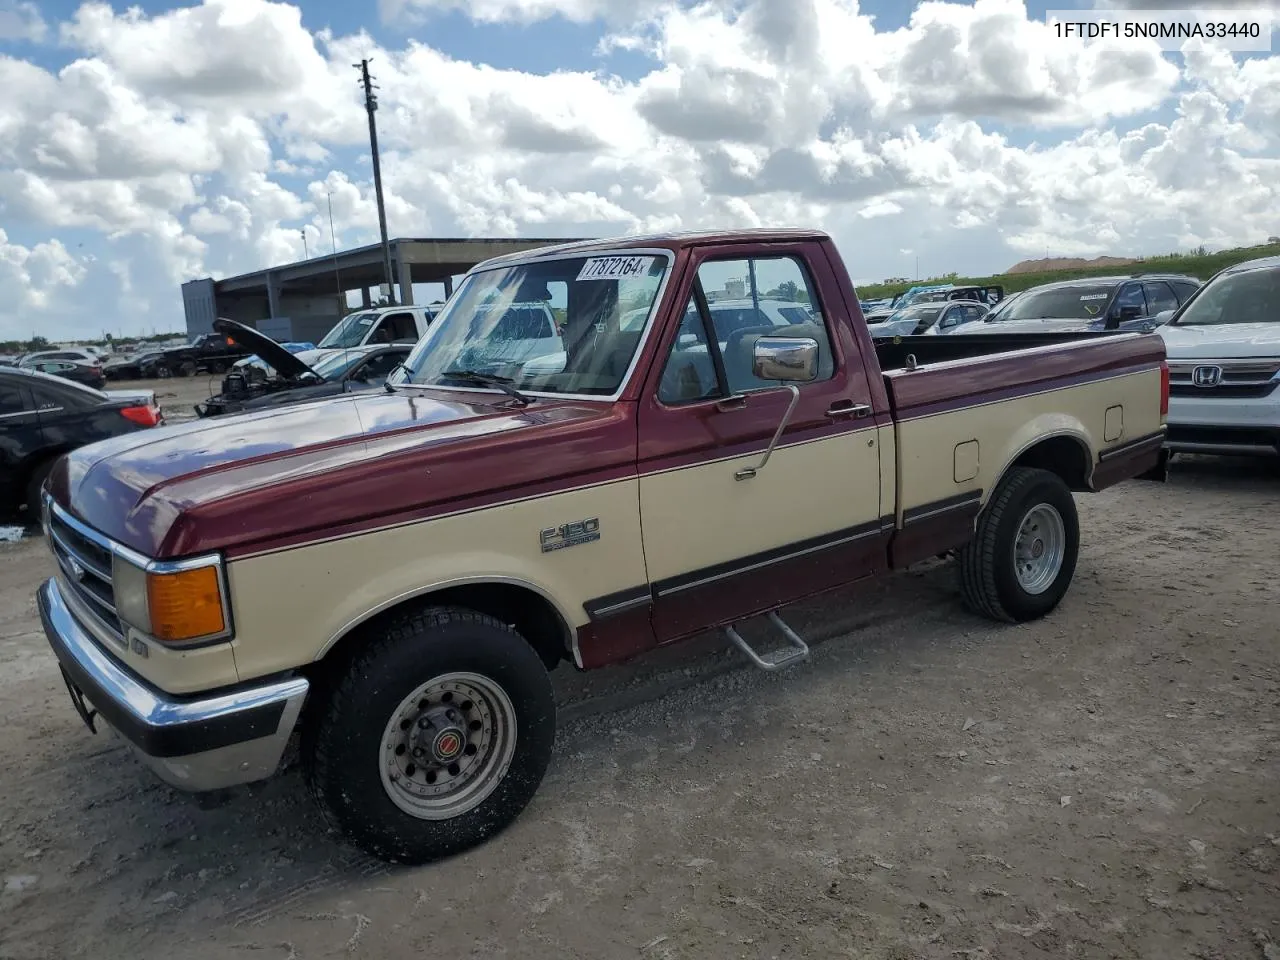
[(847, 408)]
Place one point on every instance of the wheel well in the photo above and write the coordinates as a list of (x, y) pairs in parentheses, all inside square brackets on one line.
[(531, 614), (1065, 456)]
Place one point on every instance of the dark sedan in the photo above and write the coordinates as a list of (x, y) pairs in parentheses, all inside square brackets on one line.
[(43, 417), (90, 374)]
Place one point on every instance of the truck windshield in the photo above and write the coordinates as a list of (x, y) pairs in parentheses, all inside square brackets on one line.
[(562, 326), (1077, 302), (1246, 297), (350, 331)]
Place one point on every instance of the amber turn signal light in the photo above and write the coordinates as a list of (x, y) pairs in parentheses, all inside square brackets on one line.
[(185, 605)]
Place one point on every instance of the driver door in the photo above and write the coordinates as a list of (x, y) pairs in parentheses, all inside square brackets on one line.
[(720, 547)]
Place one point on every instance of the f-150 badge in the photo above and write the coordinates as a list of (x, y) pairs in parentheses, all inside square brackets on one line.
[(570, 534)]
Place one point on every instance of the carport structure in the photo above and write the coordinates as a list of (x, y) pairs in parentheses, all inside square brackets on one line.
[(303, 300)]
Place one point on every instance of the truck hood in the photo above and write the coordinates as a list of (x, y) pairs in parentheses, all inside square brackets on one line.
[(1222, 341), (287, 364), (316, 468)]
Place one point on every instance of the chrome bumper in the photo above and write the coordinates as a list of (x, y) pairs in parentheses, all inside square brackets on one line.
[(192, 743)]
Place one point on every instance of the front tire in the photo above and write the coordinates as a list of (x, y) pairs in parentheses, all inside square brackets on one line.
[(434, 738), (1023, 555)]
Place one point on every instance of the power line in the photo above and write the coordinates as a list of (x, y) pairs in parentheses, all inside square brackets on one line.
[(370, 105)]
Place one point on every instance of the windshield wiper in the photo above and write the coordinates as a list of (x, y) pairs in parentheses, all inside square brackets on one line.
[(490, 380)]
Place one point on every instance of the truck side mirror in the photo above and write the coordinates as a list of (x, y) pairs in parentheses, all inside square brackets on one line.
[(790, 359)]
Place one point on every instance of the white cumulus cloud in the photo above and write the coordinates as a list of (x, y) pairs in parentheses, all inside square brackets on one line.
[(207, 139)]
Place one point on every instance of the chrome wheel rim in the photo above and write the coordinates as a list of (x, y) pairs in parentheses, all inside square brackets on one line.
[(1039, 548), (447, 746)]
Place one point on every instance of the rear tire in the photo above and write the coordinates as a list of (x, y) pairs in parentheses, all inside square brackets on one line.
[(434, 737), (163, 371), (1022, 557), (187, 369), (35, 483)]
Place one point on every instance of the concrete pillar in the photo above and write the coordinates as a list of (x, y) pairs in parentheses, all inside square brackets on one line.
[(365, 299), (448, 287), (273, 296), (406, 283)]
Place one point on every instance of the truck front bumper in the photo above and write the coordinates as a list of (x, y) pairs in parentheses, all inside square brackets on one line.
[(196, 744)]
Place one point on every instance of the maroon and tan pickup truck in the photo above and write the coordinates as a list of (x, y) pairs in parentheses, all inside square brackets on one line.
[(707, 434)]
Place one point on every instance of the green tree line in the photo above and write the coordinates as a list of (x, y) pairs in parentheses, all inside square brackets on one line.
[(1199, 264)]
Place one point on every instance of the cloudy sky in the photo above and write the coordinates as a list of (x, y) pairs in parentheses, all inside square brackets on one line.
[(143, 146)]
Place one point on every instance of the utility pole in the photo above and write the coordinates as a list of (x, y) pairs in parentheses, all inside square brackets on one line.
[(370, 105), (306, 254)]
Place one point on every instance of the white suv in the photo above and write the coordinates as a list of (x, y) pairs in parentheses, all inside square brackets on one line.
[(1223, 347)]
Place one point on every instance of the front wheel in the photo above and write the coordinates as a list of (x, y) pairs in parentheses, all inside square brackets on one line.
[(434, 738), (1022, 557)]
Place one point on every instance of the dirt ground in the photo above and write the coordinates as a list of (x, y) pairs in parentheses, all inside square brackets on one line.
[(177, 396), (1103, 783)]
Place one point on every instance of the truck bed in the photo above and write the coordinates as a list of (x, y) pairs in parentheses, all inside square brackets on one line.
[(893, 353), (985, 368)]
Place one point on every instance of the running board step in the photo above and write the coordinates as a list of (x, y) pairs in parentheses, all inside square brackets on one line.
[(799, 650)]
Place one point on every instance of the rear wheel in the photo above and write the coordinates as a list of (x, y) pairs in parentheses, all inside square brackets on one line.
[(187, 368), (35, 484), (434, 738), (163, 371), (1023, 555)]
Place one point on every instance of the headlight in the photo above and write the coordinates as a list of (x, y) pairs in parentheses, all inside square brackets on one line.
[(174, 604)]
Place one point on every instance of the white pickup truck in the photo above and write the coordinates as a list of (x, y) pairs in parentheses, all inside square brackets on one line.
[(374, 326), (1224, 364)]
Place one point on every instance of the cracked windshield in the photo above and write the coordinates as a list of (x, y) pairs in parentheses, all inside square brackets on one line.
[(567, 326)]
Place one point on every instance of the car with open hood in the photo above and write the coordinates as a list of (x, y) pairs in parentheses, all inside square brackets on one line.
[(282, 377)]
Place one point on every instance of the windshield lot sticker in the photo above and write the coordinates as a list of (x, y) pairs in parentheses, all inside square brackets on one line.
[(1094, 296), (615, 268)]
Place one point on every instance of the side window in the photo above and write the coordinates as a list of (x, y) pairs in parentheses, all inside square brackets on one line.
[(12, 400), (765, 296), (972, 314), (1130, 296), (397, 326), (1159, 296), (1184, 289), (46, 397), (381, 365), (689, 374)]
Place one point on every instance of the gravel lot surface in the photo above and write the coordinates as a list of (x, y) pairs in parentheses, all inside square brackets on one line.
[(1103, 783)]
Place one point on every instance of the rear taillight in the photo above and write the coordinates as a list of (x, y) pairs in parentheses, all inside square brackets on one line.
[(146, 416), (1164, 388)]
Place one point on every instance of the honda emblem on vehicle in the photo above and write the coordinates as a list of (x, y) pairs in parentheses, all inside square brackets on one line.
[(1206, 376)]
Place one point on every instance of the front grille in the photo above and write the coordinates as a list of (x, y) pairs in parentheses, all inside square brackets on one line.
[(1238, 379), (86, 570), (1224, 391)]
